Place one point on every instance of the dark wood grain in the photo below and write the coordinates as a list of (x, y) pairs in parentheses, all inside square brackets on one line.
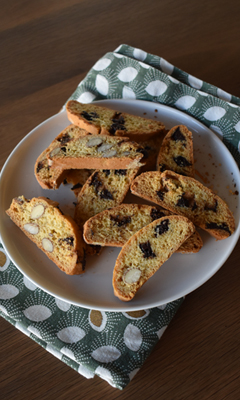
[(47, 47)]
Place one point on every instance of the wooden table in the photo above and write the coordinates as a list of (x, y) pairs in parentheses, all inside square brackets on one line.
[(47, 47)]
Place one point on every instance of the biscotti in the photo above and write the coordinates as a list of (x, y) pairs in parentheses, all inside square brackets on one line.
[(47, 175), (96, 152), (57, 235), (146, 251), (188, 197), (176, 152), (104, 189), (115, 226), (97, 119)]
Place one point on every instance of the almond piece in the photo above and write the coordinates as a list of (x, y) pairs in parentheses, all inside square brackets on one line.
[(96, 141), (110, 153), (31, 228), (104, 147), (37, 211), (132, 275), (47, 244)]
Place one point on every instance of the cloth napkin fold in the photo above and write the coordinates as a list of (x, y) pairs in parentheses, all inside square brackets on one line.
[(114, 345)]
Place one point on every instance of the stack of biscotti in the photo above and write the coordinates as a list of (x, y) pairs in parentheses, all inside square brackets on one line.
[(100, 153)]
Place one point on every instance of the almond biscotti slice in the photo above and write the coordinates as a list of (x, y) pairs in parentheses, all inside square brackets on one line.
[(97, 152), (176, 152), (105, 121), (49, 176), (186, 196), (57, 235), (115, 226), (146, 251)]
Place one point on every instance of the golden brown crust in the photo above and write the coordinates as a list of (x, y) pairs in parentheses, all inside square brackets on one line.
[(57, 235), (146, 251), (188, 197)]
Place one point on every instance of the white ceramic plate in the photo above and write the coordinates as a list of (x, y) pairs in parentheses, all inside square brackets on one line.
[(180, 275)]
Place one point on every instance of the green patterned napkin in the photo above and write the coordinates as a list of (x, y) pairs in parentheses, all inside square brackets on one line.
[(114, 345)]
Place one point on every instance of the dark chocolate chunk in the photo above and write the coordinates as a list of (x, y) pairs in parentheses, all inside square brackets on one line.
[(162, 227), (181, 161), (118, 123), (89, 116), (107, 172), (147, 250), (162, 167), (64, 149), (40, 166), (177, 136), (156, 214), (122, 172), (68, 240), (120, 221), (183, 202), (223, 226), (160, 194), (95, 182), (64, 138), (106, 195)]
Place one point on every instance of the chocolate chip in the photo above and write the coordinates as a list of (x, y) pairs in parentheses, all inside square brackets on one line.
[(89, 116), (64, 138), (181, 161), (68, 240), (40, 166), (223, 226), (162, 167), (118, 123), (106, 195), (187, 200), (162, 227), (147, 250), (107, 172), (122, 172), (182, 202), (177, 136), (120, 221), (95, 182), (116, 127), (64, 149), (160, 194), (156, 214)]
